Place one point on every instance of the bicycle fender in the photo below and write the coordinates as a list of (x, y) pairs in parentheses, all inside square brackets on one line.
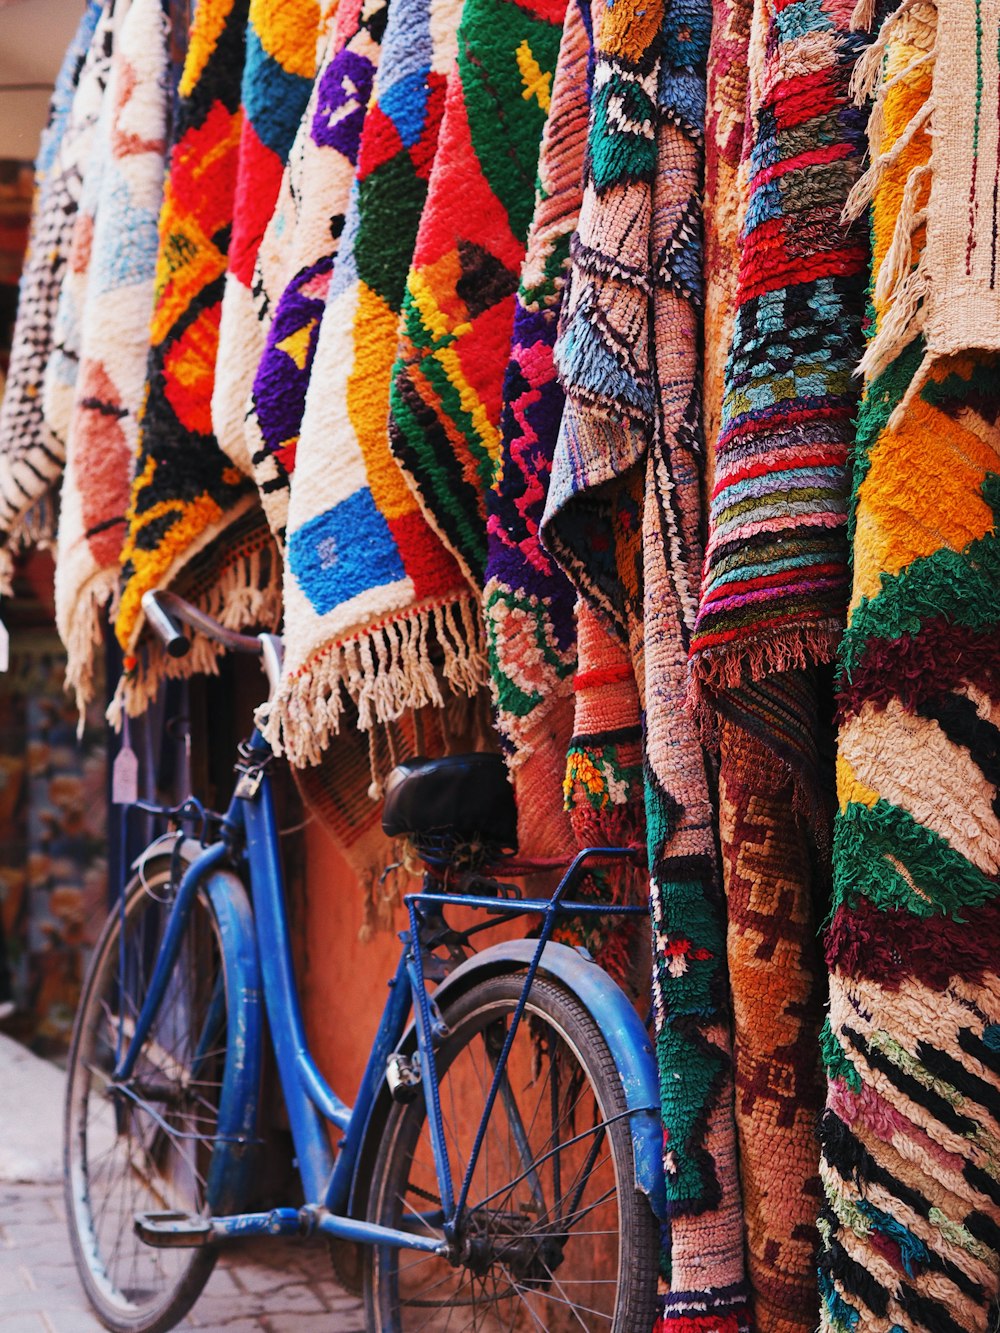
[(621, 1026), (241, 1085), (244, 1028)]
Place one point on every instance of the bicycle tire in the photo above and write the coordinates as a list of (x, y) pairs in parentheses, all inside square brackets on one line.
[(135, 1147), (546, 1273)]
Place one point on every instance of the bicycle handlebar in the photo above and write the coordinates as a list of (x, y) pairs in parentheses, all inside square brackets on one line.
[(164, 609)]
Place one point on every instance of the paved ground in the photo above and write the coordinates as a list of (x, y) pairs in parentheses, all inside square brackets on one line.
[(276, 1287)]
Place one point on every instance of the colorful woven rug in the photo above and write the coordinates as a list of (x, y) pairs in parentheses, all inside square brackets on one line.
[(775, 584), (527, 600), (277, 79), (911, 1133), (623, 516), (28, 463), (191, 512), (344, 792), (604, 797), (778, 986), (459, 308), (370, 592), (103, 427), (296, 256), (776, 566)]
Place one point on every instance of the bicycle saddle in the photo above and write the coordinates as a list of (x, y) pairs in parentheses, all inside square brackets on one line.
[(459, 799)]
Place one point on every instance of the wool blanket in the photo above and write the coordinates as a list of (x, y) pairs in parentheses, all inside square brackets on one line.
[(296, 256), (29, 464), (786, 391), (277, 80), (192, 515), (102, 430), (527, 600), (623, 516), (911, 1132), (370, 591), (459, 307)]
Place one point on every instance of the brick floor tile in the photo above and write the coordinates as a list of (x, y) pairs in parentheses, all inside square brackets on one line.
[(263, 1287)]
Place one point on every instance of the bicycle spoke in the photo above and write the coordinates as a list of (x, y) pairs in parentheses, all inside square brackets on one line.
[(146, 1144)]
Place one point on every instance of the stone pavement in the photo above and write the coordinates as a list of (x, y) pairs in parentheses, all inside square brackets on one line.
[(276, 1287), (273, 1286)]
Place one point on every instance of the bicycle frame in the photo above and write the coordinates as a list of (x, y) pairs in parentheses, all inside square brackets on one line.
[(250, 828)]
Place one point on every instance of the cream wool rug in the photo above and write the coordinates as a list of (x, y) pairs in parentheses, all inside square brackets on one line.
[(297, 253), (102, 429), (277, 80), (369, 587)]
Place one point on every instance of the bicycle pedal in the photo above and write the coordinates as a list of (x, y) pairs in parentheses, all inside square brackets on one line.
[(403, 1077), (168, 1231)]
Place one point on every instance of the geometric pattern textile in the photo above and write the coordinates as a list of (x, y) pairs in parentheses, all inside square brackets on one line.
[(84, 149), (370, 591), (775, 584), (911, 1133), (623, 517), (296, 256), (528, 602), (604, 793), (277, 79), (785, 297), (725, 123), (778, 984), (29, 464), (188, 502), (114, 321), (459, 308)]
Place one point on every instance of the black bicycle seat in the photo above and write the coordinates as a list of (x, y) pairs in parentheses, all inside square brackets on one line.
[(461, 798)]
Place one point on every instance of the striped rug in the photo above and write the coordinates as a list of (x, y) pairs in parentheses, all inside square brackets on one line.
[(911, 1133)]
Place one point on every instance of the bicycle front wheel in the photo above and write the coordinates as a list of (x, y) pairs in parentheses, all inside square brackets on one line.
[(146, 1146), (555, 1235)]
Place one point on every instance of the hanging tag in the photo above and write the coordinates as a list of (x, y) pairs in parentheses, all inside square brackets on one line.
[(125, 774), (4, 647), (125, 778)]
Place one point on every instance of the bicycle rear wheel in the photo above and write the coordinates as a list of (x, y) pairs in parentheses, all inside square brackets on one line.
[(555, 1236), (147, 1147)]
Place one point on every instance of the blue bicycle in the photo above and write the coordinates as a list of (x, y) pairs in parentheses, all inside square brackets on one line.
[(501, 1166)]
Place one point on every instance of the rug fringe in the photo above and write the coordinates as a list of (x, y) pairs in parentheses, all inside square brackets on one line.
[(386, 671), (6, 572), (36, 528), (901, 287), (83, 634), (714, 671), (247, 592)]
